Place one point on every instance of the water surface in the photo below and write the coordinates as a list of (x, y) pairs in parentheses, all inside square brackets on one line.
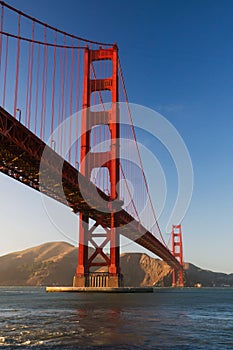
[(167, 319)]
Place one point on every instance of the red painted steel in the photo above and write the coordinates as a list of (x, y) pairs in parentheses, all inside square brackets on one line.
[(177, 250), (20, 157), (49, 78), (92, 160)]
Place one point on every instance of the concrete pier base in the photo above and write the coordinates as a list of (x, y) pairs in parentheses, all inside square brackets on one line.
[(98, 280), (101, 289)]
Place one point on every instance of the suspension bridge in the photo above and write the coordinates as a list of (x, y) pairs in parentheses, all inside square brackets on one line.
[(62, 133)]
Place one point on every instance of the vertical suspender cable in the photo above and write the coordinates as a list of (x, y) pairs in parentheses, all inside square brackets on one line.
[(45, 86), (5, 74), (58, 100), (37, 88), (1, 28), (28, 84), (53, 84), (17, 67), (66, 87), (76, 159), (42, 118), (62, 96), (71, 98), (140, 160), (31, 73)]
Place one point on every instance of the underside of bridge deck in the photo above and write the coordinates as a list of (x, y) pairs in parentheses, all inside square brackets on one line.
[(23, 157)]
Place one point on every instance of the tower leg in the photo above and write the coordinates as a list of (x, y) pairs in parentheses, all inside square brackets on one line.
[(173, 278), (88, 273), (177, 250), (82, 268)]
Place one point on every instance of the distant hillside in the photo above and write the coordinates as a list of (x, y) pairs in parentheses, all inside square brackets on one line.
[(207, 278), (55, 263), (45, 264)]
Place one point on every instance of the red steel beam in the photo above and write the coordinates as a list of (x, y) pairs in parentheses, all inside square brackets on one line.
[(20, 157)]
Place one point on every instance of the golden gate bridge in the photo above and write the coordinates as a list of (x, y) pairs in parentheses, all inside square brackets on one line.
[(47, 78)]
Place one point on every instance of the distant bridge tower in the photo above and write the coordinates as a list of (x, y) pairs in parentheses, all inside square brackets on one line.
[(177, 250), (109, 159)]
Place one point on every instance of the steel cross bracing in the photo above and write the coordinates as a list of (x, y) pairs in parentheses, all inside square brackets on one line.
[(46, 77), (20, 157)]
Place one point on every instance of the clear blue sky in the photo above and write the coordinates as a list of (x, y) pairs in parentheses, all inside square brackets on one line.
[(177, 58)]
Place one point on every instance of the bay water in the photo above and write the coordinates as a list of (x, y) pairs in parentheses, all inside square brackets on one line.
[(186, 318)]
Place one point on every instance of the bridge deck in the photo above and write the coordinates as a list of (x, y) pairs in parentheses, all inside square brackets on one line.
[(21, 158)]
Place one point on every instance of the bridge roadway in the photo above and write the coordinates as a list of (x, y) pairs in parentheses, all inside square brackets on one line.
[(21, 158)]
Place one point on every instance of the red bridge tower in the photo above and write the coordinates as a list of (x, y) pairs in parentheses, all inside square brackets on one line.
[(90, 159), (177, 250)]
